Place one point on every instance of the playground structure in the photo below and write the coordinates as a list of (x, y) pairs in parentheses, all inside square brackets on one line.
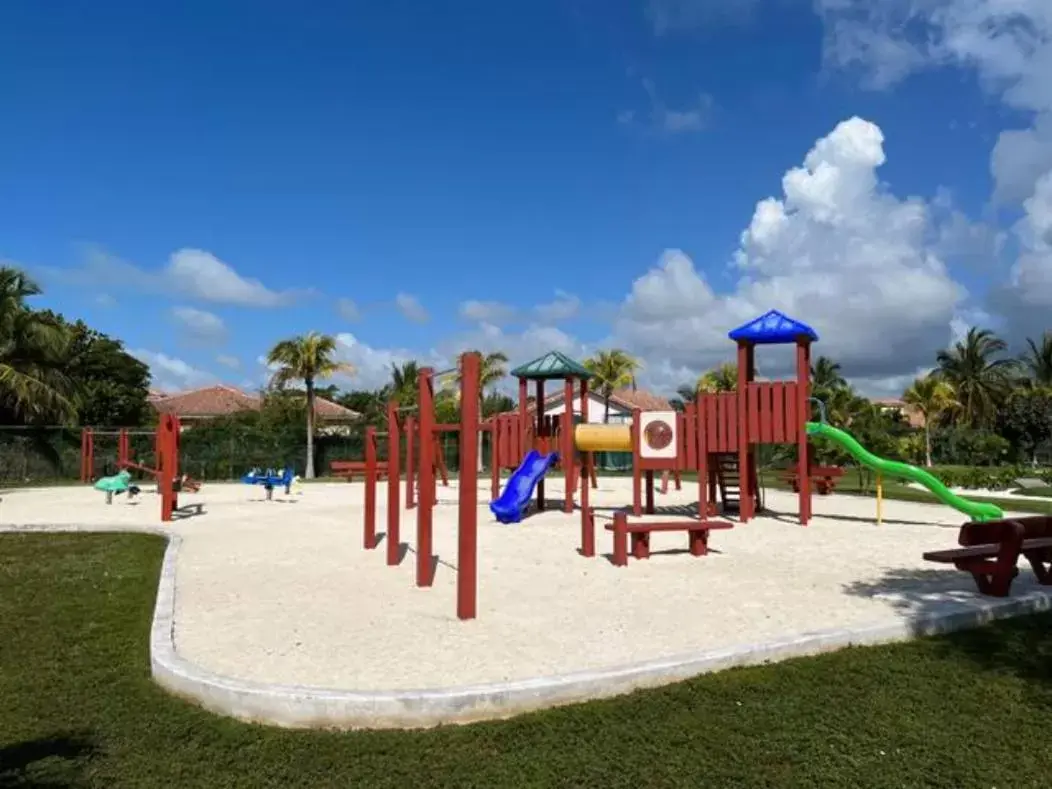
[(270, 479), (166, 451), (421, 468)]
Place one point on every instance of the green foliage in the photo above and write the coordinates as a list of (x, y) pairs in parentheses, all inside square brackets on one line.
[(962, 445), (1025, 421), (979, 373), (612, 370)]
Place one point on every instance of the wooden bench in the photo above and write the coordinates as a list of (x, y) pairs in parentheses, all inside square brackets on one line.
[(824, 478), (348, 468), (990, 551), (639, 534)]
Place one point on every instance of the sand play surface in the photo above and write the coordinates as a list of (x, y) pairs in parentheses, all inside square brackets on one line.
[(282, 592)]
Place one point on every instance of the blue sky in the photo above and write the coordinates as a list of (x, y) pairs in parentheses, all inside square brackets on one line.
[(495, 153)]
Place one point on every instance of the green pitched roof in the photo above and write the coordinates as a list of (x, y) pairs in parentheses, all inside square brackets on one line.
[(553, 365)]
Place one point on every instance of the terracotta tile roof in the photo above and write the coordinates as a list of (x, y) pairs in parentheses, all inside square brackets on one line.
[(220, 400), (648, 401)]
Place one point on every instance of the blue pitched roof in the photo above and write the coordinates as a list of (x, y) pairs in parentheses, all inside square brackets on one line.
[(772, 328)]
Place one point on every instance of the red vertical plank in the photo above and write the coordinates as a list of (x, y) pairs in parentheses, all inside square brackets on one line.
[(754, 406), (467, 505), (394, 477), (790, 413)]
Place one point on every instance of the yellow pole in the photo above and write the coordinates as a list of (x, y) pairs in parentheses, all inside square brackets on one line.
[(880, 499)]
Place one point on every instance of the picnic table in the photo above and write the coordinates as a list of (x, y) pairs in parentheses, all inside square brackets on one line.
[(990, 551)]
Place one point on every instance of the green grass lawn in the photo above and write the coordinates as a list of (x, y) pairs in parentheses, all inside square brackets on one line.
[(79, 709)]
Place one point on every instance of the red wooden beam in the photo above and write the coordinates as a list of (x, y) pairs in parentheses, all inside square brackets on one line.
[(371, 473), (467, 533), (394, 504), (425, 401)]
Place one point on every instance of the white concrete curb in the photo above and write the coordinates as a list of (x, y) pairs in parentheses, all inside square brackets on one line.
[(312, 707)]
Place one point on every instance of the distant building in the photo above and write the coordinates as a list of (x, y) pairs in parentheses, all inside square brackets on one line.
[(200, 405), (621, 404), (910, 413)]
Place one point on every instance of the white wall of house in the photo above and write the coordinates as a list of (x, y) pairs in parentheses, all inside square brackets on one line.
[(595, 409)]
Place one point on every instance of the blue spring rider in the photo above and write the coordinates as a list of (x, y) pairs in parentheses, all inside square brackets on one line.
[(271, 479)]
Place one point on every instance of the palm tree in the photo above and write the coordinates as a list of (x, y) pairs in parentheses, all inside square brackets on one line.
[(978, 374), (723, 378), (611, 370), (1038, 361), (307, 358), (826, 376), (492, 370), (33, 349), (403, 386), (932, 397)]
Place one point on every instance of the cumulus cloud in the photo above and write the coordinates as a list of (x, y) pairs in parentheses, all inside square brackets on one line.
[(373, 365), (171, 374), (229, 361), (487, 311), (835, 249), (200, 326), (565, 306), (411, 308), (190, 273), (1008, 45)]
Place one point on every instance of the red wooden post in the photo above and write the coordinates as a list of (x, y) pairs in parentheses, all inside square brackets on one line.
[(394, 478), (524, 421), (637, 471), (167, 438), (745, 497), (702, 437), (494, 456), (467, 532), (620, 538), (650, 491), (540, 441), (566, 443), (803, 410), (410, 467), (369, 534), (587, 516), (426, 486)]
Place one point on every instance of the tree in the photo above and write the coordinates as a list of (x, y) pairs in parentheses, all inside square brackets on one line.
[(110, 386), (1026, 420), (723, 378), (34, 386), (306, 358), (979, 375), (685, 395), (611, 370), (932, 397), (403, 386), (825, 376), (1038, 361)]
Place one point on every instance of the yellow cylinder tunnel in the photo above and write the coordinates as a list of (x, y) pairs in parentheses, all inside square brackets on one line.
[(603, 438)]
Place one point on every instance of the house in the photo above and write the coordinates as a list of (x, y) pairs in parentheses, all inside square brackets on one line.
[(199, 405), (910, 413), (621, 404)]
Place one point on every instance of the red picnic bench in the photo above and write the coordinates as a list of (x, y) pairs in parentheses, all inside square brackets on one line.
[(639, 533), (348, 468), (991, 550), (823, 477)]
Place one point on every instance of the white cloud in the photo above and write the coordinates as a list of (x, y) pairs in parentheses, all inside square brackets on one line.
[(836, 250), (190, 273), (693, 116), (411, 308), (229, 361), (348, 310), (563, 307), (171, 374), (373, 365), (200, 326), (487, 311), (105, 300)]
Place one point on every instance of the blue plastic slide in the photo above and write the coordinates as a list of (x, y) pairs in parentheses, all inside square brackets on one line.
[(517, 493)]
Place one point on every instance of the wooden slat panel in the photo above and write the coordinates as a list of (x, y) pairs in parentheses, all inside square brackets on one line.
[(778, 392), (754, 403), (791, 419), (690, 433)]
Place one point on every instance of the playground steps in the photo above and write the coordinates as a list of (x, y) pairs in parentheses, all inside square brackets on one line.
[(728, 477)]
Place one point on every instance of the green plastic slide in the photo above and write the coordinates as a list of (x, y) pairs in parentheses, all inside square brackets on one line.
[(975, 510)]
